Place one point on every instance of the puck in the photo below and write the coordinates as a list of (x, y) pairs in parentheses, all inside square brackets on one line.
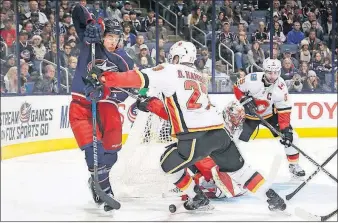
[(172, 208)]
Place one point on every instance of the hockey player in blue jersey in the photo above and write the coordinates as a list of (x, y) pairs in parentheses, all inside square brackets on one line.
[(106, 36)]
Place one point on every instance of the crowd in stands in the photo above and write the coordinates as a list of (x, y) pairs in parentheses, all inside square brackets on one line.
[(302, 40)]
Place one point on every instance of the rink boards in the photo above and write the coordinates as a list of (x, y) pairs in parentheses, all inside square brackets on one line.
[(35, 124)]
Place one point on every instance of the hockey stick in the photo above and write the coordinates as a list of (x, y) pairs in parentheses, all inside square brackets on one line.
[(312, 217), (294, 146), (289, 196), (107, 199)]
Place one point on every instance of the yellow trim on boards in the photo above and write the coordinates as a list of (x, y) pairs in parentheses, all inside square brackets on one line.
[(28, 148)]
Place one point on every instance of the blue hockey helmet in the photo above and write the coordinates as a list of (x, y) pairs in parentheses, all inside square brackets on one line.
[(112, 26)]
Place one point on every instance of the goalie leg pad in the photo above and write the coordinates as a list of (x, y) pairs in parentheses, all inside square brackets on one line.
[(248, 178)]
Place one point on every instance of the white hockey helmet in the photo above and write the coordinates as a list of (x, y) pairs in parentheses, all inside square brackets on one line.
[(186, 52), (234, 116), (272, 69)]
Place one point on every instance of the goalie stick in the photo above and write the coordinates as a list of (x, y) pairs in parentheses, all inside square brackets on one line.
[(289, 196), (312, 217), (294, 146), (105, 197)]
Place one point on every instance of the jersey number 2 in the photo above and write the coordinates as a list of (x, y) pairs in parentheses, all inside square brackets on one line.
[(198, 89)]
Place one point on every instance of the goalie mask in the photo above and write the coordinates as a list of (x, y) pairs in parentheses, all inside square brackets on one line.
[(234, 116), (272, 70), (184, 51)]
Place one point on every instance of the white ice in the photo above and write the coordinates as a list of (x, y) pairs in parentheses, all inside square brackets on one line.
[(53, 186)]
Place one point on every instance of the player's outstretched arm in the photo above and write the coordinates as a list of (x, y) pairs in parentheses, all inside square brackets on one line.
[(128, 79), (153, 105)]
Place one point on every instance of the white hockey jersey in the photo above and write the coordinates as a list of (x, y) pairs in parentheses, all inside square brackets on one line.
[(185, 95), (266, 97)]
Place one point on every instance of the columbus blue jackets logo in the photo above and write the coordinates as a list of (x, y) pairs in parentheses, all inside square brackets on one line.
[(25, 112), (132, 113), (104, 65)]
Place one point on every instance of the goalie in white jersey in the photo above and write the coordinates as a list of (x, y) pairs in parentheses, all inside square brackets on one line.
[(194, 122), (267, 93)]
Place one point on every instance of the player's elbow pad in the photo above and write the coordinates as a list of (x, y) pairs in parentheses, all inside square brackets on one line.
[(128, 79)]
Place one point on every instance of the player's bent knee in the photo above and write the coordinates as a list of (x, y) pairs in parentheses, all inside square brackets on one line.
[(228, 159), (171, 161)]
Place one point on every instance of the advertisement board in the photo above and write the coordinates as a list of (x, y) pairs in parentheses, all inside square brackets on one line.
[(34, 124)]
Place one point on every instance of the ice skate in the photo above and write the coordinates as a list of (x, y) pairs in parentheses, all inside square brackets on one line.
[(200, 201), (296, 170), (276, 203), (96, 198)]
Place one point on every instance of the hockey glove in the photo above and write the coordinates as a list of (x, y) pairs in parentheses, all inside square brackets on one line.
[(249, 104), (93, 93), (288, 136), (94, 75), (92, 33), (142, 103)]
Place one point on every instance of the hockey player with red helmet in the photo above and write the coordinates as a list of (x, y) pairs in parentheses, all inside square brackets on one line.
[(109, 130)]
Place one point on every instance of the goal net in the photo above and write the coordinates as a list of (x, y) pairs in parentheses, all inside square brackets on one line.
[(138, 173)]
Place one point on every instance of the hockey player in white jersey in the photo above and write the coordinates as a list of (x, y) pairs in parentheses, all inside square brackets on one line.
[(196, 124), (267, 93)]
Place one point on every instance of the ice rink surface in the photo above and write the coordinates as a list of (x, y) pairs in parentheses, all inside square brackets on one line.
[(53, 186)]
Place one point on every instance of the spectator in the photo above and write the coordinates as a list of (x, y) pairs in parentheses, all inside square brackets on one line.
[(194, 16), (129, 39), (7, 6), (135, 49), (113, 12), (278, 36), (238, 17), (287, 54), (219, 21), (126, 8), (226, 9), (304, 70), (11, 80), (203, 25), (34, 7), (327, 26), (48, 83), (288, 23), (3, 18), (241, 48), (287, 71), (256, 56), (135, 22), (28, 55), (153, 51), (305, 54), (148, 21), (65, 6), (227, 38), (319, 32), (261, 35), (37, 26), (295, 36), (51, 55), (312, 82), (143, 59), (39, 50), (307, 25), (67, 53), (75, 50), (72, 63), (163, 34), (10, 62), (181, 10), (8, 33), (295, 84), (207, 60), (313, 41), (97, 11), (67, 20), (324, 50), (71, 32), (28, 27), (44, 7), (162, 58), (126, 20)]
